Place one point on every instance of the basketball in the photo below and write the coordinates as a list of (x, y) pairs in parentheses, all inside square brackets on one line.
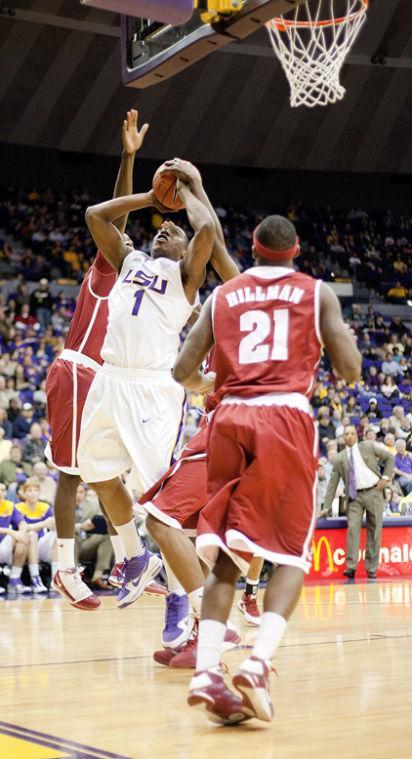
[(164, 188)]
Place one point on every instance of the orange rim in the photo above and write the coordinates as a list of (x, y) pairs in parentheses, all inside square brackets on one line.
[(283, 24)]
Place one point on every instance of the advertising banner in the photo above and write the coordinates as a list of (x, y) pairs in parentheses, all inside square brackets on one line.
[(329, 553)]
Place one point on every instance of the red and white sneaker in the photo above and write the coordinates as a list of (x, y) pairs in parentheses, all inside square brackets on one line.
[(116, 575), (250, 610), (71, 586), (155, 589), (252, 680), (209, 691), (232, 637), (165, 655)]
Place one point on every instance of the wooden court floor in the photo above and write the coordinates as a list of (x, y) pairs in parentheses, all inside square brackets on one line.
[(344, 684)]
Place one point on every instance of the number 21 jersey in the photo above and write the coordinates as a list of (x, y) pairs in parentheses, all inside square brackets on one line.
[(267, 334)]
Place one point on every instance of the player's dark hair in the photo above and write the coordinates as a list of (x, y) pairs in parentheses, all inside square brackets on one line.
[(276, 232)]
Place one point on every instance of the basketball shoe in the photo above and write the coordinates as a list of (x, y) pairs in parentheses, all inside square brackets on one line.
[(116, 575), (17, 588), (138, 572), (178, 622), (209, 691), (252, 680), (249, 608), (184, 657), (37, 585), (70, 585)]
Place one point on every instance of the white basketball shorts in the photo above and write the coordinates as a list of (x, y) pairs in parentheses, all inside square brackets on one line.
[(131, 420)]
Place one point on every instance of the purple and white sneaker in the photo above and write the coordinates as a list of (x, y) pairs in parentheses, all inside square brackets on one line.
[(178, 621), (137, 573), (17, 588), (37, 585)]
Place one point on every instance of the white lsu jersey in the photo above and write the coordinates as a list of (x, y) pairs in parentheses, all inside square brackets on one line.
[(148, 308)]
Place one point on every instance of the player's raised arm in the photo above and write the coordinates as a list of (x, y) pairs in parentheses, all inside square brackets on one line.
[(193, 266), (337, 338), (101, 220), (220, 259), (194, 350), (132, 139)]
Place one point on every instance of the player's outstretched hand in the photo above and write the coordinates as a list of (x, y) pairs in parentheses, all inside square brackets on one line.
[(184, 170), (133, 137)]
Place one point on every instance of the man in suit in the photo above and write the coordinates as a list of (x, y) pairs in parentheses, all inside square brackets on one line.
[(359, 466)]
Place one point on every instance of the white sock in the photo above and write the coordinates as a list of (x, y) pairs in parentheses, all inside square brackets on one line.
[(209, 644), (15, 573), (130, 538), (271, 631), (195, 599), (118, 548), (54, 568), (34, 570), (172, 581), (65, 553)]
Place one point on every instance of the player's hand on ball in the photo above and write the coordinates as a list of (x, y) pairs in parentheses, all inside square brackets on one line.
[(133, 137), (184, 170), (158, 205)]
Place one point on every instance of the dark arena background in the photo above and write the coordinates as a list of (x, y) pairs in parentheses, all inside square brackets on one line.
[(214, 92)]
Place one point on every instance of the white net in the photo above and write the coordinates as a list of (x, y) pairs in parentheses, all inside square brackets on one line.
[(312, 45)]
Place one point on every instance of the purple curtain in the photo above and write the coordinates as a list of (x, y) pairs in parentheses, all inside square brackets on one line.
[(169, 11)]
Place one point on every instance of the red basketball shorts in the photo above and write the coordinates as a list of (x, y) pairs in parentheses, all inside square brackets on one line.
[(262, 463), (178, 497), (67, 386)]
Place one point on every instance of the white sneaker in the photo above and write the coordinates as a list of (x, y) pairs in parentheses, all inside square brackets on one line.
[(252, 681), (71, 586)]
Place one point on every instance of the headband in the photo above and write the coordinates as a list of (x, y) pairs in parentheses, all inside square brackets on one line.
[(274, 254)]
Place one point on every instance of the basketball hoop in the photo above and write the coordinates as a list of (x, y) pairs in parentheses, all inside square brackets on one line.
[(312, 47)]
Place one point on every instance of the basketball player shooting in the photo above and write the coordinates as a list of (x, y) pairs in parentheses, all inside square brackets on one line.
[(69, 381), (267, 325), (133, 412)]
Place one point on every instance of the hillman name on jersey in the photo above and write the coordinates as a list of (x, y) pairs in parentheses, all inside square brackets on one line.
[(260, 294)]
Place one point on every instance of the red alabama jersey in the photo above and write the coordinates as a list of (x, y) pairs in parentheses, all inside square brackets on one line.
[(267, 336), (88, 327)]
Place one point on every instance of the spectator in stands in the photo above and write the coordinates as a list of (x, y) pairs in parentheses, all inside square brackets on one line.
[(93, 543), (326, 429), (41, 304), (23, 422), (403, 467), (47, 484), (352, 406), (40, 525), (389, 388), (396, 417), (397, 293), (33, 449), (405, 430), (373, 409), (390, 367), (5, 425), (370, 435), (14, 470), (372, 379), (390, 442), (24, 319), (391, 502), (13, 543)]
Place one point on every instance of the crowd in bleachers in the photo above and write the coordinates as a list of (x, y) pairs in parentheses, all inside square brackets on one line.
[(44, 244)]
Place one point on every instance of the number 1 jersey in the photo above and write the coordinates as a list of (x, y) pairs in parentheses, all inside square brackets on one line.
[(148, 308), (267, 333)]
